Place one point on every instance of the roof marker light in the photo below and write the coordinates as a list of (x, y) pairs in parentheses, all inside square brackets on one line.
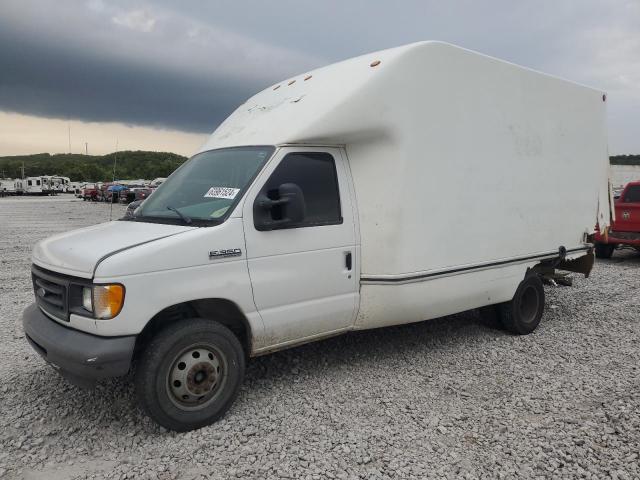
[(375, 63), (291, 82), (276, 87), (307, 77)]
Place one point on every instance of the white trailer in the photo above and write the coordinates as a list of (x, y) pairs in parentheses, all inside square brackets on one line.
[(54, 184), (395, 187), (34, 186), (75, 188), (61, 184), (7, 186), (19, 185)]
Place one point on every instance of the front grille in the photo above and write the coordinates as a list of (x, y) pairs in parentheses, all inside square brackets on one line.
[(51, 293)]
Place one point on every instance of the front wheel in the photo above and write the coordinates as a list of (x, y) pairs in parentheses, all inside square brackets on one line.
[(189, 374), (523, 313)]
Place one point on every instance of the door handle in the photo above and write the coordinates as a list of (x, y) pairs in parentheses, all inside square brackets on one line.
[(347, 260)]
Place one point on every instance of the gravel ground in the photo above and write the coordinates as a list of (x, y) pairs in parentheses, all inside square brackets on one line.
[(443, 399)]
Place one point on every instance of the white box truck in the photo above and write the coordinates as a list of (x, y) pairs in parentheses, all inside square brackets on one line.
[(395, 187)]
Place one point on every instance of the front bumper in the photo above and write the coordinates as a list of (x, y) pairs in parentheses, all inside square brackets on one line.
[(80, 357), (621, 238)]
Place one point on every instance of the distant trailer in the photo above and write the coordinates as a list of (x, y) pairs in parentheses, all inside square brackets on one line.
[(33, 186), (7, 187), (74, 187), (60, 184), (48, 183), (66, 182), (19, 185)]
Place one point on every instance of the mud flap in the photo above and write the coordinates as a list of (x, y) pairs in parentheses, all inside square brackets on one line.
[(583, 264)]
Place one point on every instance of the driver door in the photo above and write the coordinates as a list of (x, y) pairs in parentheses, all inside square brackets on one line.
[(304, 276)]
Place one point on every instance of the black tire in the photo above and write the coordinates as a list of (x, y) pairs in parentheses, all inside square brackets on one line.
[(163, 359), (490, 316), (604, 250), (522, 315)]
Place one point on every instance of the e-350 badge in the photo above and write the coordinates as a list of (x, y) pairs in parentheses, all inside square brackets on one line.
[(230, 252)]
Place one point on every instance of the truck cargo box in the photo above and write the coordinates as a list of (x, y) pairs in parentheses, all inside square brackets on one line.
[(457, 158)]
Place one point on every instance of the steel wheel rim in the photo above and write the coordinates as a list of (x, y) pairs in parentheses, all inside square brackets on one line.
[(196, 377)]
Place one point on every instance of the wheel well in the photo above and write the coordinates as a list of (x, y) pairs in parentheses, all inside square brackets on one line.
[(219, 309)]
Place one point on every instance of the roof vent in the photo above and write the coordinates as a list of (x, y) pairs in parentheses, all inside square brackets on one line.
[(375, 63), (291, 82), (276, 87), (307, 77)]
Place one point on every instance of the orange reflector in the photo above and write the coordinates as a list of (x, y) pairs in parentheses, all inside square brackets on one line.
[(375, 63)]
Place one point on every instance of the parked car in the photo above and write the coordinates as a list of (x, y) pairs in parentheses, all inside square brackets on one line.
[(112, 192), (156, 182), (101, 190), (133, 193), (131, 208), (89, 192), (319, 210), (625, 230)]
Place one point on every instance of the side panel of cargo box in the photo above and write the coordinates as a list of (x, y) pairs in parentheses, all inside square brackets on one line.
[(490, 169)]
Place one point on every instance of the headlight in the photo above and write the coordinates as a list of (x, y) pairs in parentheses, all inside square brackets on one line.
[(87, 301), (102, 301), (107, 300)]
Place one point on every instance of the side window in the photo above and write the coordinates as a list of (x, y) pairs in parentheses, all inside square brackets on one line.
[(29, 182), (632, 195), (37, 182), (315, 174)]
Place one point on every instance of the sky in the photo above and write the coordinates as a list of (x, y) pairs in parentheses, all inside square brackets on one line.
[(162, 75)]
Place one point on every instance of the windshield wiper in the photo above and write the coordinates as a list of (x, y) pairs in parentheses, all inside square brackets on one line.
[(185, 218)]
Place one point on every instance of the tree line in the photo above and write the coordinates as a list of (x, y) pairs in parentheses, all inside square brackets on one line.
[(129, 165), (625, 160), (79, 168)]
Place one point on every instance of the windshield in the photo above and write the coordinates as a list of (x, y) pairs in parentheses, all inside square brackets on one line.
[(206, 187)]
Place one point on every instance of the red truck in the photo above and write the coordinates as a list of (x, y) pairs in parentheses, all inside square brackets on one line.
[(89, 192), (626, 228)]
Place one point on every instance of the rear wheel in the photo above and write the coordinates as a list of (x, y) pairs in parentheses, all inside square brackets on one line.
[(604, 250), (523, 313), (189, 374)]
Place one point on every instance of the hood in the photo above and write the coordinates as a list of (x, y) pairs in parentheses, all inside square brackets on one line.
[(78, 252)]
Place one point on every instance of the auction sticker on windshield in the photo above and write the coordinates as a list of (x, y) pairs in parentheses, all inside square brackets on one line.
[(222, 192)]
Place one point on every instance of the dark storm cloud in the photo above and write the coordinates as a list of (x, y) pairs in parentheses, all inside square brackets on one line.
[(46, 80), (187, 65), (130, 62)]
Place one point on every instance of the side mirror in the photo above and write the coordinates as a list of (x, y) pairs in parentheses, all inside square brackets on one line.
[(287, 210)]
